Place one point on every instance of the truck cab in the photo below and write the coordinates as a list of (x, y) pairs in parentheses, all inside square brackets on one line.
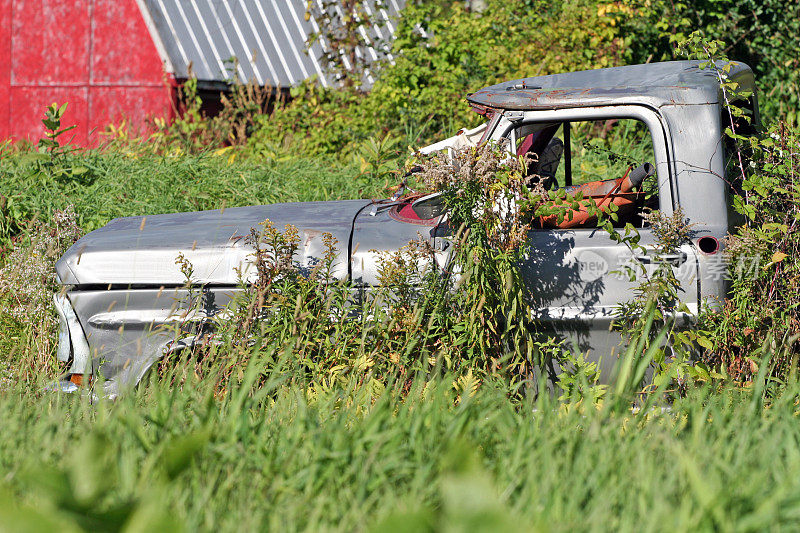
[(671, 115)]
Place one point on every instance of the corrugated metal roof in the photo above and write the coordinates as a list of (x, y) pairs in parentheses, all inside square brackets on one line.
[(267, 38)]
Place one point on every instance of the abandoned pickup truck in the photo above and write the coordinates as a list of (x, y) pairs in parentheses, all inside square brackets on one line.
[(122, 283)]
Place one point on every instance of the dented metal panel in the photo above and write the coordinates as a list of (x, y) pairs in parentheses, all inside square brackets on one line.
[(129, 330), (72, 343)]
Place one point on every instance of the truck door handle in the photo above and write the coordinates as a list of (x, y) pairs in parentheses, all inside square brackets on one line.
[(674, 259)]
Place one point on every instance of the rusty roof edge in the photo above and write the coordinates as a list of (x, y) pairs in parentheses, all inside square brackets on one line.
[(588, 99), (672, 83)]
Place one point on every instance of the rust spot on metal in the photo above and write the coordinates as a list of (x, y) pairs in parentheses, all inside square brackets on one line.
[(482, 109), (80, 380)]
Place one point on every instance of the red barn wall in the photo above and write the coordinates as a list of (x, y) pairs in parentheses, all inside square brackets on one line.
[(97, 55)]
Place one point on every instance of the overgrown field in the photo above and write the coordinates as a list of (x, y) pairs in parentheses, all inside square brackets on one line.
[(115, 183), (268, 457), (261, 439)]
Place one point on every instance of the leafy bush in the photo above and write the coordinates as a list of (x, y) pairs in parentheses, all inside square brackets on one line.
[(469, 321), (763, 255), (757, 329), (759, 32), (441, 52)]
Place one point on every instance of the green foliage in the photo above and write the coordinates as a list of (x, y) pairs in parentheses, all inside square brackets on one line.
[(759, 32), (411, 409), (580, 380), (756, 330), (410, 405), (344, 27), (52, 124), (763, 256), (441, 52), (129, 182), (27, 283), (53, 165), (76, 495), (191, 131), (377, 160), (469, 322), (486, 200)]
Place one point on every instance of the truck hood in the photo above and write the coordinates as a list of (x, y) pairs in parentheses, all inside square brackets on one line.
[(142, 250)]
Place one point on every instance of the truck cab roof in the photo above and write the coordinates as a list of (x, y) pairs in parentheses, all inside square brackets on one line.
[(653, 84)]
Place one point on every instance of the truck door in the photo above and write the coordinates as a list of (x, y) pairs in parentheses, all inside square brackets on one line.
[(579, 277)]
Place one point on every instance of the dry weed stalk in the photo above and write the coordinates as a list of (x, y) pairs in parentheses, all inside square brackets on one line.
[(486, 191), (27, 285)]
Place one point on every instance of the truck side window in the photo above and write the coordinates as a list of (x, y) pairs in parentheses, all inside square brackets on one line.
[(594, 156)]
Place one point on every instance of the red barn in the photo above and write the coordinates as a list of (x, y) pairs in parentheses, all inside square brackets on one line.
[(119, 59), (96, 55)]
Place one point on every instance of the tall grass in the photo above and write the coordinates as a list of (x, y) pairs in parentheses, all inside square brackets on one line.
[(272, 457), (115, 183), (102, 185)]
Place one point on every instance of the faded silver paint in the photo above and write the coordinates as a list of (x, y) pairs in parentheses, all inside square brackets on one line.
[(72, 343), (126, 290), (142, 250)]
